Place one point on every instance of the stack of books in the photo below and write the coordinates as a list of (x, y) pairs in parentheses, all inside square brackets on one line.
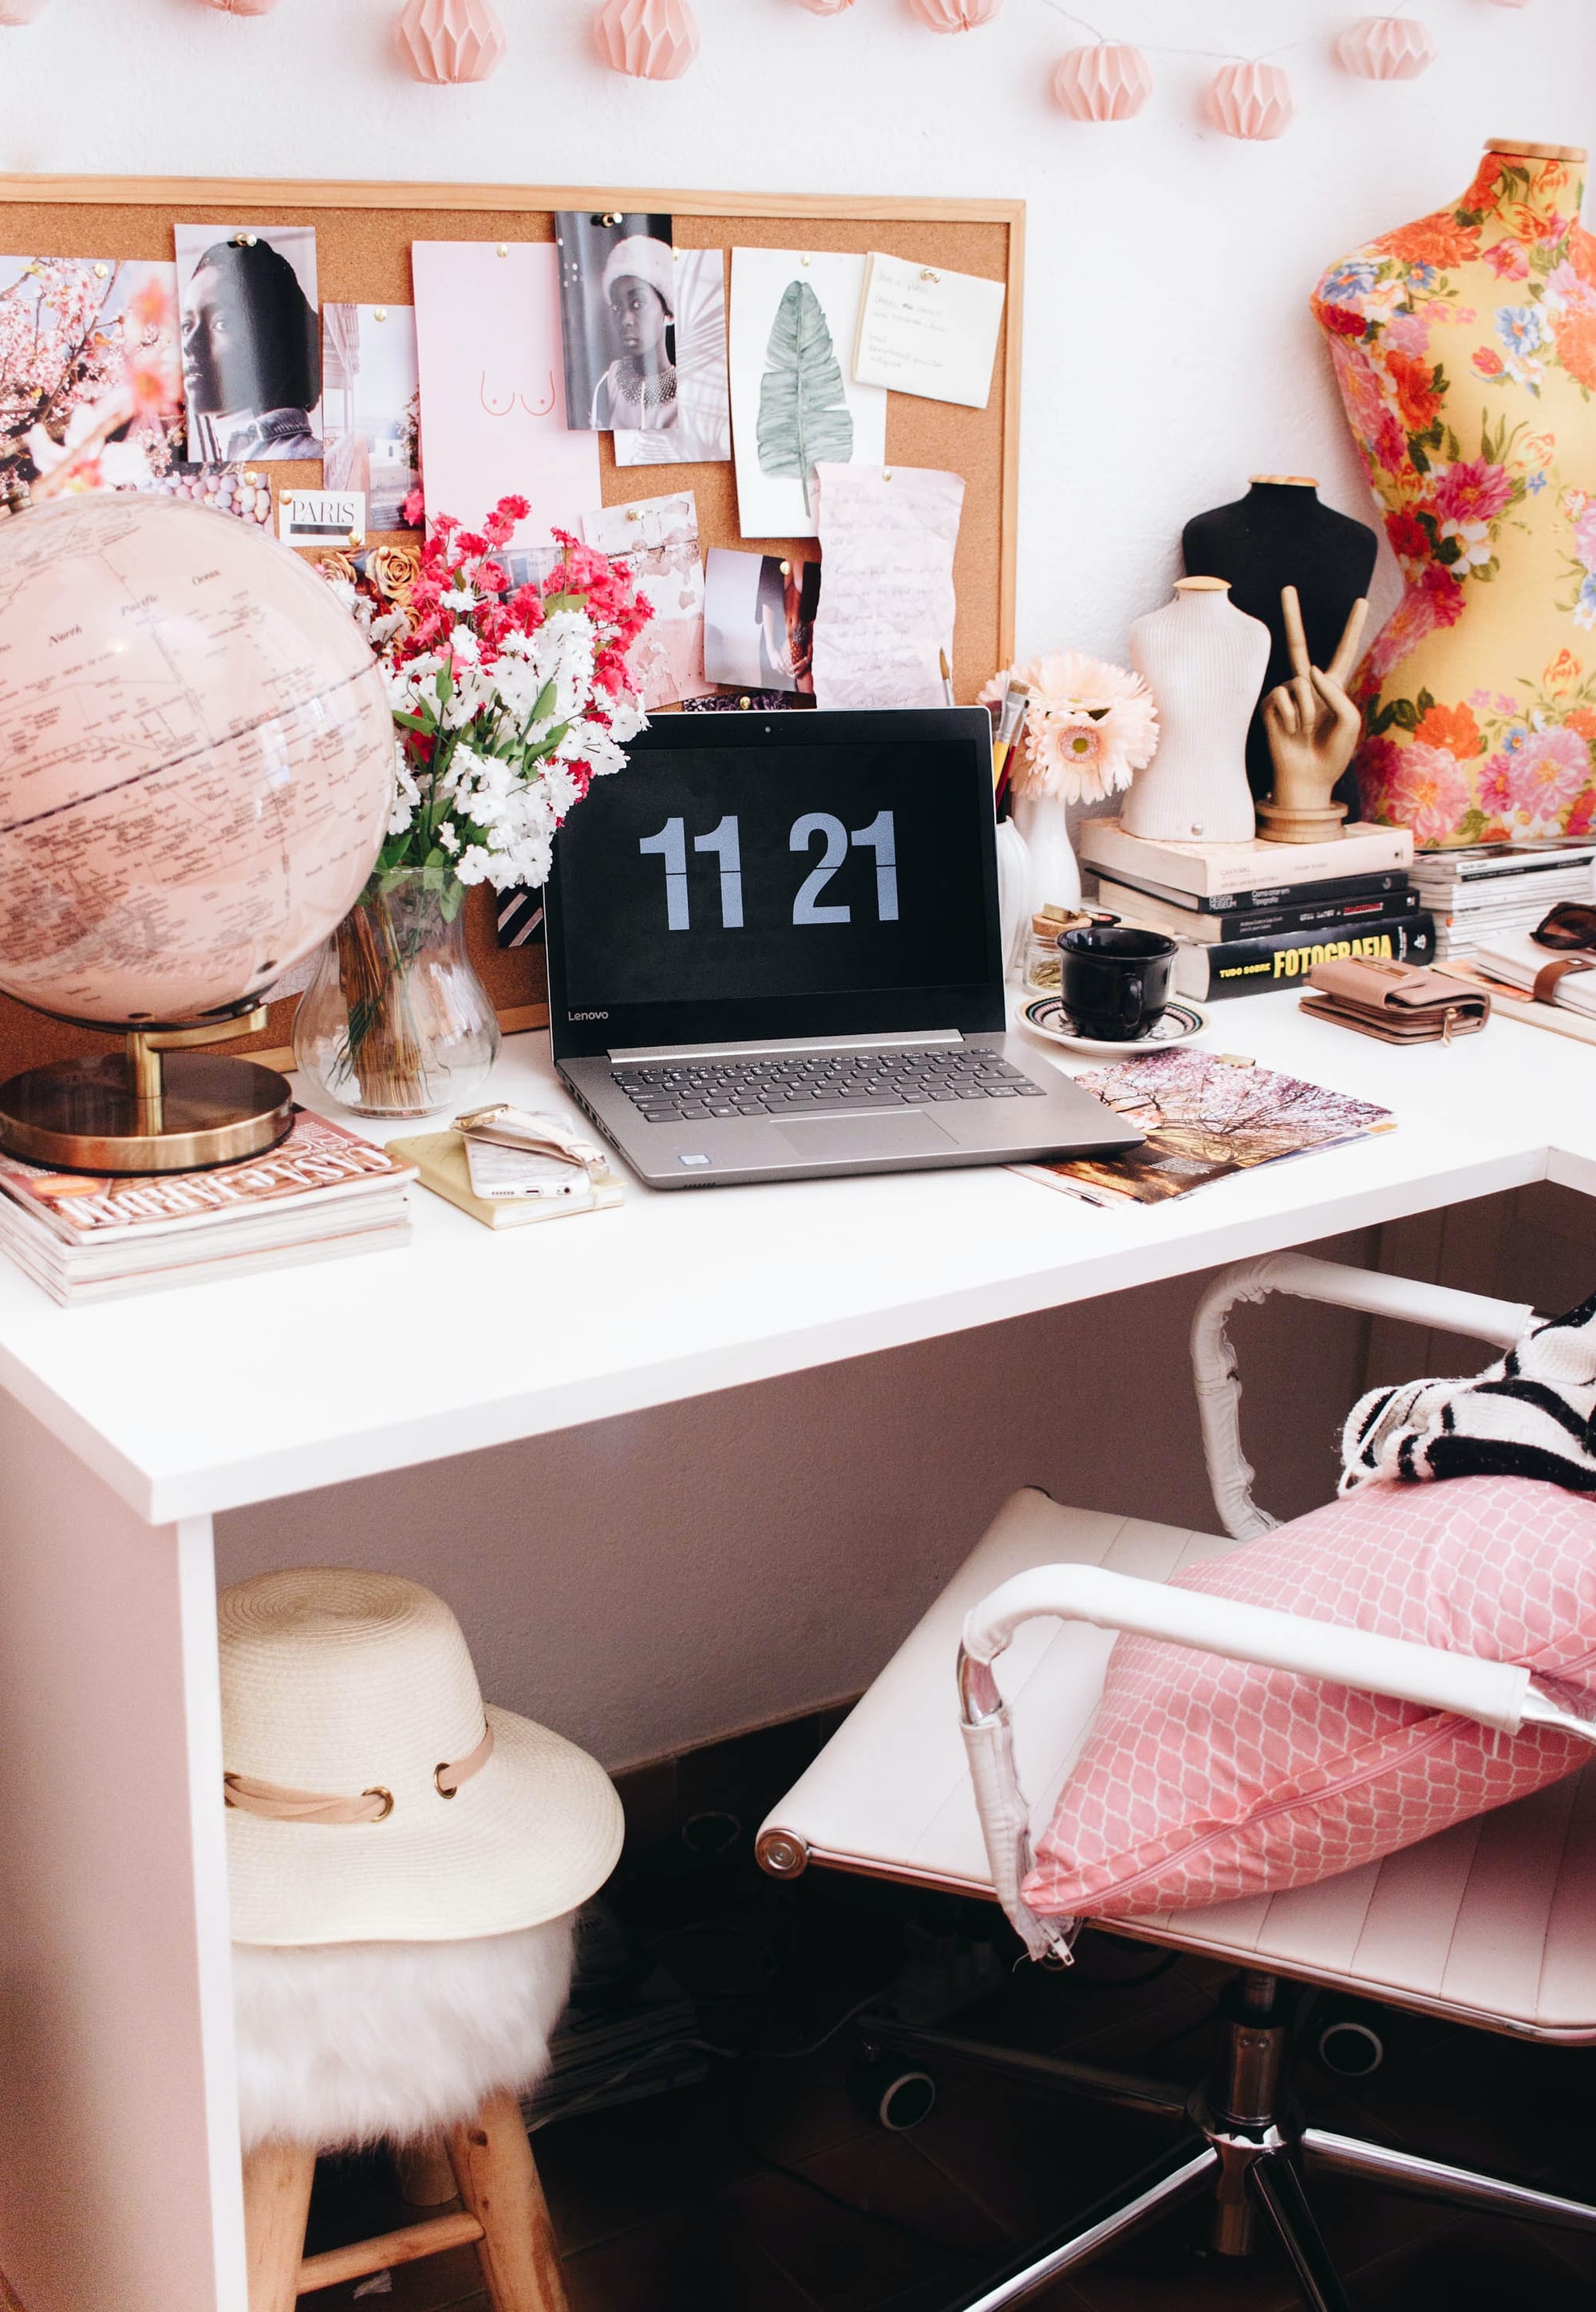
[(1255, 916), (319, 1193), (1483, 895)]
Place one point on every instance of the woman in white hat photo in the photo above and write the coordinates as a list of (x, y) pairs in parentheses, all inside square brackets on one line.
[(637, 392)]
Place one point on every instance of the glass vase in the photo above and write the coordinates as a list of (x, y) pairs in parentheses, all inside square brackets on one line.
[(396, 1023)]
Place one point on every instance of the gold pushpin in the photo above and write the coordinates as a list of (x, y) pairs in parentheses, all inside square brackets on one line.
[(379, 312), (927, 275), (503, 249)]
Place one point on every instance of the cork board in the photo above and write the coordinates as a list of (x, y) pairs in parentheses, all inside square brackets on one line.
[(364, 234)]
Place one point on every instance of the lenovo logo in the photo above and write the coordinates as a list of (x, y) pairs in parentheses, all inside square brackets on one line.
[(587, 1015)]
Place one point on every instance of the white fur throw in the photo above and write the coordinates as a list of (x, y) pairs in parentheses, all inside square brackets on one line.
[(343, 2044)]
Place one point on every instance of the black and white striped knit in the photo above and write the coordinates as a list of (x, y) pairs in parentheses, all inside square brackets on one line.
[(1533, 1415)]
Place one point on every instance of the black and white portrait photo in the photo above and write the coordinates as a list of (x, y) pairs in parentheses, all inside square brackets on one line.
[(250, 341), (645, 334)]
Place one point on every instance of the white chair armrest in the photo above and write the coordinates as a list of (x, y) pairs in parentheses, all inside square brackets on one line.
[(1213, 1361), (1492, 1693)]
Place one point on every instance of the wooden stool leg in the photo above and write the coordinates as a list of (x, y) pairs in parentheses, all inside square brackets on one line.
[(278, 2179), (498, 2182)]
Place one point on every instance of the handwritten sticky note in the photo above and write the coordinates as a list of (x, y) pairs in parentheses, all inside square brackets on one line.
[(888, 535), (928, 331), (493, 387)]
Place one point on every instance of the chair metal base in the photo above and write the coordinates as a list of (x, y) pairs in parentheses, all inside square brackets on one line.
[(1239, 2143)]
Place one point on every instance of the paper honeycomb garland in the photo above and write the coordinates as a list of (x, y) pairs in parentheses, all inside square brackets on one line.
[(651, 40), (21, 11), (1251, 101), (955, 16), (444, 42), (241, 7), (825, 7), (1110, 81), (1387, 47)]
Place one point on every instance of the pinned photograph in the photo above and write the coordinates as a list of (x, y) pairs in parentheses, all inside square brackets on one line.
[(700, 431), (90, 376), (596, 353), (793, 318), (370, 407), (252, 341), (657, 539), (759, 621)]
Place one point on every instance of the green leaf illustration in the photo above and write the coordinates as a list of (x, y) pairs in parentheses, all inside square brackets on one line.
[(803, 414)]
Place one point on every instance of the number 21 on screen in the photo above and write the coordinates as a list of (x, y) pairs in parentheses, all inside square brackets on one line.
[(671, 845)]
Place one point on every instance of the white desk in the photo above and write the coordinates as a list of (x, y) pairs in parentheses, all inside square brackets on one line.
[(127, 1427)]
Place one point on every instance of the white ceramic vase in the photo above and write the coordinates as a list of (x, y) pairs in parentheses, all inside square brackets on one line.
[(1055, 879), (1013, 891), (1204, 661)]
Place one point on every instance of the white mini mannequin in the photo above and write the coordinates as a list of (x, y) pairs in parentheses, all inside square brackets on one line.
[(1204, 661)]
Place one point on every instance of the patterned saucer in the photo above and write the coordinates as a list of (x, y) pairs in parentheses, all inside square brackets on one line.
[(1178, 1023)]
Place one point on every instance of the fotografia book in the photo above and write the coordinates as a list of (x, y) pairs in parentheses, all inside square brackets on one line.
[(1206, 1117), (319, 1193), (1258, 966), (1302, 915), (1210, 869)]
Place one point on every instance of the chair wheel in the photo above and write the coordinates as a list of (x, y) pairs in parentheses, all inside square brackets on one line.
[(895, 2099), (1351, 2041)]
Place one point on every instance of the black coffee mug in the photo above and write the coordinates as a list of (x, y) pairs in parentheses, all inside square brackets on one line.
[(1116, 980)]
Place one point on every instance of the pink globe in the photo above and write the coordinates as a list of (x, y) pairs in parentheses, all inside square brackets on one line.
[(196, 760)]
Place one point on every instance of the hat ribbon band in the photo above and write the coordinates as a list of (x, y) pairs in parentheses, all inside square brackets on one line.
[(275, 1803)]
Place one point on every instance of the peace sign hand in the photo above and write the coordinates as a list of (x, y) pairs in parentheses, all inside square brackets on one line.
[(1313, 725)]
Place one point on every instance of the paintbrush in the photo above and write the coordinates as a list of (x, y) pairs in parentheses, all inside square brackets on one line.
[(947, 678)]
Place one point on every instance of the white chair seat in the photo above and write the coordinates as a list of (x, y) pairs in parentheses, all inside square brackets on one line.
[(1492, 1922)]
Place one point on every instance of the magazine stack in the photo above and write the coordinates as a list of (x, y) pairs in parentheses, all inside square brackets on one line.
[(320, 1192)]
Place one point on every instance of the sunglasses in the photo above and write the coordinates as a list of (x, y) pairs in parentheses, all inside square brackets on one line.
[(1569, 928)]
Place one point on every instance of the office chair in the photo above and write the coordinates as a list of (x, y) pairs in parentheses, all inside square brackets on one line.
[(1487, 1923)]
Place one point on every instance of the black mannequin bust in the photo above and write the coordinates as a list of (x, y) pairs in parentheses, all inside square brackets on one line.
[(1280, 534)]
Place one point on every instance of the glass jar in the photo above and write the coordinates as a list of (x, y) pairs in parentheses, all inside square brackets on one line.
[(396, 1023)]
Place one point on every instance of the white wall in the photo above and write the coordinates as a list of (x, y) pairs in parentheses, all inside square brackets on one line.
[(1169, 353), (649, 1581)]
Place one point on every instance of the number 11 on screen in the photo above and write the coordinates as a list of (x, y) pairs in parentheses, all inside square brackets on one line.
[(671, 845)]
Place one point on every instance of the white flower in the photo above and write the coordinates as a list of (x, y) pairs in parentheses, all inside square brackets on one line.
[(464, 644), (448, 837), (460, 599)]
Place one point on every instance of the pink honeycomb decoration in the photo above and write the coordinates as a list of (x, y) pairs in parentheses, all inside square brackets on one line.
[(1387, 47), (22, 11), (1251, 101), (651, 40), (1203, 1780), (825, 7), (444, 42), (955, 16), (1109, 80), (245, 7)]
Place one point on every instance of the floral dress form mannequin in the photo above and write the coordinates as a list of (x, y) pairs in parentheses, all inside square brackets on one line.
[(1465, 349)]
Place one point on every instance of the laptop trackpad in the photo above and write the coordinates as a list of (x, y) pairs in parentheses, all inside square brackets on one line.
[(855, 1137)]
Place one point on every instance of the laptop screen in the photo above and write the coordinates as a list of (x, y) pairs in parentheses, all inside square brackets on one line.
[(791, 874)]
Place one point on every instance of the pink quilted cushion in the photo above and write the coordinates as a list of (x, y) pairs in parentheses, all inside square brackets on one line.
[(1203, 1779)]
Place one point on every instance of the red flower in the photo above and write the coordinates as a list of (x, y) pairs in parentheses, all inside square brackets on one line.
[(1344, 319), (1487, 361), (1408, 537), (413, 513), (1443, 593), (1417, 395)]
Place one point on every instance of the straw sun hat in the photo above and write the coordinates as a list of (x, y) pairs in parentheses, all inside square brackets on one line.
[(370, 1798)]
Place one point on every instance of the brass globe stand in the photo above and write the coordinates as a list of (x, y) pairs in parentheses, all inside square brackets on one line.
[(161, 1106)]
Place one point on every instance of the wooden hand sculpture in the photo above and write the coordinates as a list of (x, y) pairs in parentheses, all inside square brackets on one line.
[(1313, 728)]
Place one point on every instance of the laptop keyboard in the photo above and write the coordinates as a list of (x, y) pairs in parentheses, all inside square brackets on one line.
[(829, 1080)]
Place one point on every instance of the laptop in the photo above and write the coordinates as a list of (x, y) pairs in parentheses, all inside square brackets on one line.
[(773, 952)]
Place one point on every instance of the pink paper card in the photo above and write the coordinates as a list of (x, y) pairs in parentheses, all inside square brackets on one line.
[(493, 392)]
